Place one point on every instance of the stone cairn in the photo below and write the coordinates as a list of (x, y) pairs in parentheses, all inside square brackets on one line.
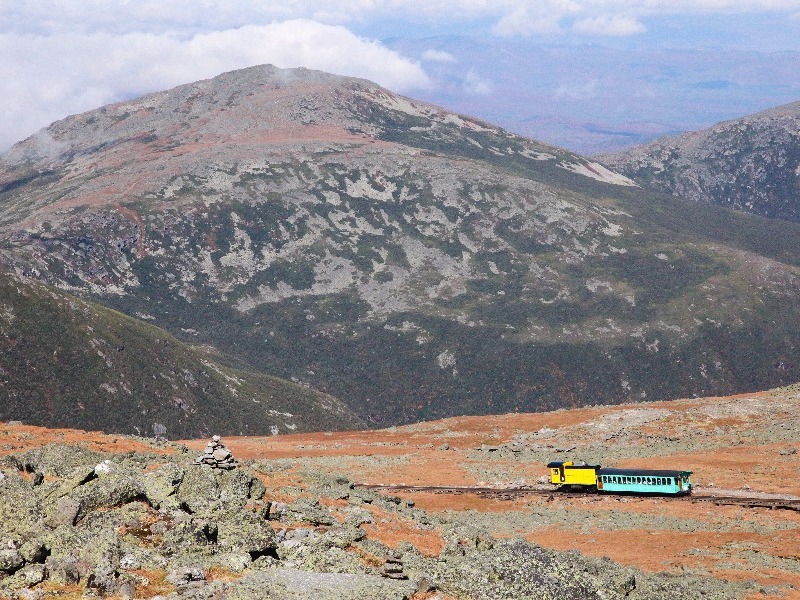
[(216, 455), (393, 567)]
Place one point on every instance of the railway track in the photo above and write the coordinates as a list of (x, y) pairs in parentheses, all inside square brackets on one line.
[(512, 493)]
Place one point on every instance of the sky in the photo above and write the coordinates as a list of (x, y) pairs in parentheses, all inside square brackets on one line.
[(61, 57)]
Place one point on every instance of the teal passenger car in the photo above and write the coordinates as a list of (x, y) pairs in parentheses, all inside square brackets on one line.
[(644, 481)]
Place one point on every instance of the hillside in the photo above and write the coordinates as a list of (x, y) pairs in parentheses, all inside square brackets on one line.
[(412, 262), (291, 520), (66, 362), (750, 164)]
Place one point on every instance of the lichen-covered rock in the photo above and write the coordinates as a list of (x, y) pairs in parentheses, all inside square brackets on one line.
[(10, 561), (514, 569), (234, 561), (33, 551), (245, 531), (257, 489), (193, 535), (27, 576), (21, 505), (114, 488), (199, 489), (160, 487), (59, 460), (291, 584), (323, 551), (64, 512), (234, 486), (309, 510)]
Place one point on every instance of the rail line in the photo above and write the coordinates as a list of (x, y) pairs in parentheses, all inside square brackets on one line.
[(512, 493)]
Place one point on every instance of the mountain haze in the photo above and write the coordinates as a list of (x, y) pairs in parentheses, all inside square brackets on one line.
[(413, 262), (750, 164)]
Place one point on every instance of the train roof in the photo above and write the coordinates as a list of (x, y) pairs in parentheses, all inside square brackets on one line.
[(643, 472), (570, 465)]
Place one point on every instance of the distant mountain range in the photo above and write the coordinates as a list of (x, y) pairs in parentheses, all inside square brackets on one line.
[(595, 98), (410, 261), (751, 164)]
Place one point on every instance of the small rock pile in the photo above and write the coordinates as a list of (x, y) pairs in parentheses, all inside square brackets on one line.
[(393, 567), (216, 455)]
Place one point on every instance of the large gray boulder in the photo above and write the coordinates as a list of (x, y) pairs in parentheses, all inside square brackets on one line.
[(290, 584)]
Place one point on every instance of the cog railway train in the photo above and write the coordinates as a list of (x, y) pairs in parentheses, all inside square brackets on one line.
[(568, 475)]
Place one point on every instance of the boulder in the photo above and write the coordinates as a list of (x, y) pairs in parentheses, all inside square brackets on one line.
[(244, 531), (63, 512), (257, 489), (309, 510), (160, 487), (10, 561), (26, 577), (199, 489), (290, 584)]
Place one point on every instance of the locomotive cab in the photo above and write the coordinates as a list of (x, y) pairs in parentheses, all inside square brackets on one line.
[(569, 474)]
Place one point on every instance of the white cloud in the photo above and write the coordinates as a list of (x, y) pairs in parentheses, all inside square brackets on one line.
[(63, 56), (475, 84), (586, 90), (510, 17), (543, 18), (438, 56), (43, 78), (609, 25)]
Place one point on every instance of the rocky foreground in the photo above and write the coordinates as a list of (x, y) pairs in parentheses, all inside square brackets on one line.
[(87, 513), (153, 524)]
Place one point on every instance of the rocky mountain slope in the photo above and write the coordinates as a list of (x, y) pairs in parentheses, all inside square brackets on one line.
[(751, 164), (69, 362), (413, 262), (91, 514)]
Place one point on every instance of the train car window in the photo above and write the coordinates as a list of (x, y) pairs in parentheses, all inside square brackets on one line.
[(658, 480)]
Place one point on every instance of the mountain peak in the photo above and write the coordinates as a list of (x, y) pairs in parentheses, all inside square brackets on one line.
[(751, 164), (408, 260)]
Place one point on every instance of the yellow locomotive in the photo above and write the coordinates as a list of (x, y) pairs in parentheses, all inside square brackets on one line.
[(568, 473)]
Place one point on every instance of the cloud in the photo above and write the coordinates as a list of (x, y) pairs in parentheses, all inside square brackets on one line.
[(475, 84), (438, 56), (578, 91), (609, 25), (542, 18), (59, 57), (46, 77)]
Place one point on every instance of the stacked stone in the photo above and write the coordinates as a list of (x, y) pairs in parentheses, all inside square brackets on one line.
[(393, 567), (216, 455)]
